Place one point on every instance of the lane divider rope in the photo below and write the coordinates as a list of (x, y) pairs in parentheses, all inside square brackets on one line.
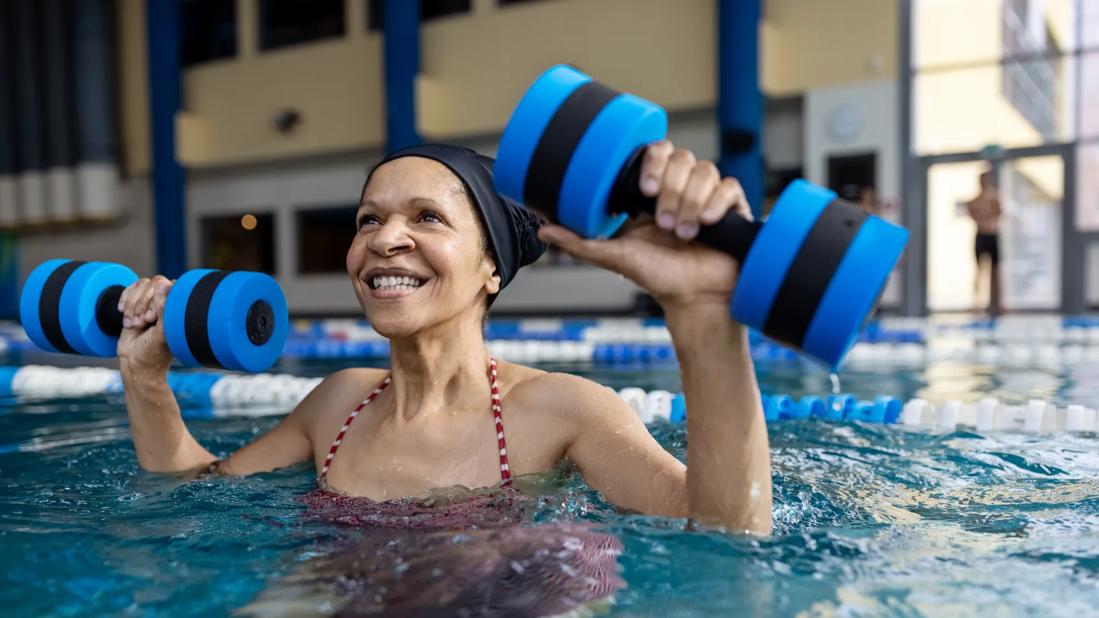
[(205, 394)]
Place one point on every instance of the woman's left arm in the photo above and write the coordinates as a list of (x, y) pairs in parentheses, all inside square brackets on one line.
[(728, 480), (613, 449)]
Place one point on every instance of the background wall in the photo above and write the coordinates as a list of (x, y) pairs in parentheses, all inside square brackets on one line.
[(474, 67), (854, 119)]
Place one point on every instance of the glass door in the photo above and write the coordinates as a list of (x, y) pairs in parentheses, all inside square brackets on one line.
[(1032, 192), (1022, 210), (951, 233)]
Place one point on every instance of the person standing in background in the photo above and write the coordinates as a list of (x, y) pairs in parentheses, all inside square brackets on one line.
[(868, 200), (985, 210)]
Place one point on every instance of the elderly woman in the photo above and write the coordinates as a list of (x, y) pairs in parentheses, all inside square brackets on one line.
[(433, 246)]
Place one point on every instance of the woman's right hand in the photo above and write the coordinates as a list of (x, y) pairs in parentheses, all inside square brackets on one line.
[(142, 344)]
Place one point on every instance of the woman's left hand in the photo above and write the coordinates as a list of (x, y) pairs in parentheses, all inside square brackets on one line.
[(658, 253)]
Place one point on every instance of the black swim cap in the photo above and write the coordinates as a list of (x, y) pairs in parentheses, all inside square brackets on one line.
[(512, 229)]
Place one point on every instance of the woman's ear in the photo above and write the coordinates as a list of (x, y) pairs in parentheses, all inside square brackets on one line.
[(492, 286)]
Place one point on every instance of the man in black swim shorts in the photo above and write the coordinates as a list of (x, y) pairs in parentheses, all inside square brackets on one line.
[(985, 210)]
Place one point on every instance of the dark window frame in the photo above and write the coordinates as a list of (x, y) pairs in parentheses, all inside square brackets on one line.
[(265, 42), (840, 167), (269, 215), (188, 55), (430, 10), (321, 211)]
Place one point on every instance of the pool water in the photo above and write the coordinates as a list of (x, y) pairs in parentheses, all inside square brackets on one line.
[(869, 519)]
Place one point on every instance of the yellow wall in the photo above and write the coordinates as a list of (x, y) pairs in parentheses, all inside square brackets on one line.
[(475, 67), (133, 99), (807, 44), (335, 84)]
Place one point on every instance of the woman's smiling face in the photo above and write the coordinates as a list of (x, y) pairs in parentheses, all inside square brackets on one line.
[(419, 256)]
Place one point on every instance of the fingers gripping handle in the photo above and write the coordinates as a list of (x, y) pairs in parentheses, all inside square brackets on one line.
[(733, 234)]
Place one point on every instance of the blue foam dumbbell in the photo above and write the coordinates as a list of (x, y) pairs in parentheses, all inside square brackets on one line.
[(212, 318), (810, 275)]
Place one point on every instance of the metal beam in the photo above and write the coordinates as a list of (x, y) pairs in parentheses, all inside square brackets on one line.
[(401, 21), (739, 101), (165, 96), (913, 214)]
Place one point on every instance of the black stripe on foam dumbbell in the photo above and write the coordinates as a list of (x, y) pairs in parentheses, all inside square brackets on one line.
[(554, 151), (811, 272), (50, 303), (196, 318)]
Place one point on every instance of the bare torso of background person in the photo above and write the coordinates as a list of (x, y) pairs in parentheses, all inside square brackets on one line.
[(985, 211)]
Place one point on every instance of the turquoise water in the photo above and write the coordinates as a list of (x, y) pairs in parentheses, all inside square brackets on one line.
[(870, 520)]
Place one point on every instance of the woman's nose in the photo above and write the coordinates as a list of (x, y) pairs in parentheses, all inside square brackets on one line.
[(391, 238)]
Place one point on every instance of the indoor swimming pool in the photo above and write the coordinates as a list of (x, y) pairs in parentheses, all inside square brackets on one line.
[(870, 518)]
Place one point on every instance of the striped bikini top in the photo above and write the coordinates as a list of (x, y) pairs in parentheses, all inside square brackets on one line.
[(505, 472)]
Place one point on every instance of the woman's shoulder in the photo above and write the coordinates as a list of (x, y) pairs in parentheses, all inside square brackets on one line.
[(553, 390), (339, 393), (355, 378)]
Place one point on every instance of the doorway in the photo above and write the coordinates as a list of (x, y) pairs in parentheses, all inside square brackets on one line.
[(1039, 269)]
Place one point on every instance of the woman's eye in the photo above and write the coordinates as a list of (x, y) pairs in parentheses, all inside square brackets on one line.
[(367, 220), (430, 217)]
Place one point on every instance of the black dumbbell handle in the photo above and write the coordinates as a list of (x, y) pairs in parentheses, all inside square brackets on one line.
[(107, 315), (733, 234)]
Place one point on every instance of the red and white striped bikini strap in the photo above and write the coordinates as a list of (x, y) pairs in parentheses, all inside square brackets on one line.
[(505, 471), (347, 424)]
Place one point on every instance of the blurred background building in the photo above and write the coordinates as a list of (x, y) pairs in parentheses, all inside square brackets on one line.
[(261, 117)]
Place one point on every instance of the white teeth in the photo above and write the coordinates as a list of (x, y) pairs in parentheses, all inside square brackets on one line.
[(396, 283)]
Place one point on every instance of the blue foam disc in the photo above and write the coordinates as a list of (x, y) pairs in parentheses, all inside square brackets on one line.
[(526, 125), (624, 125), (855, 286), (774, 249), (29, 300), (226, 321), (175, 314), (78, 302)]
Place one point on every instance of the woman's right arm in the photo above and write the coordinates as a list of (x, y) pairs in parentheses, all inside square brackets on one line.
[(161, 439)]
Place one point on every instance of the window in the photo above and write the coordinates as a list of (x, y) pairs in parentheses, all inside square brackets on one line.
[(964, 110), (1089, 96), (324, 234), (429, 10), (1001, 72), (1029, 86), (208, 31), (239, 242), (290, 22), (958, 33), (1087, 187), (850, 175), (1090, 26)]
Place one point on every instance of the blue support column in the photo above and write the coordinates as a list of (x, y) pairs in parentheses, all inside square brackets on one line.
[(162, 30), (401, 20), (739, 101)]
